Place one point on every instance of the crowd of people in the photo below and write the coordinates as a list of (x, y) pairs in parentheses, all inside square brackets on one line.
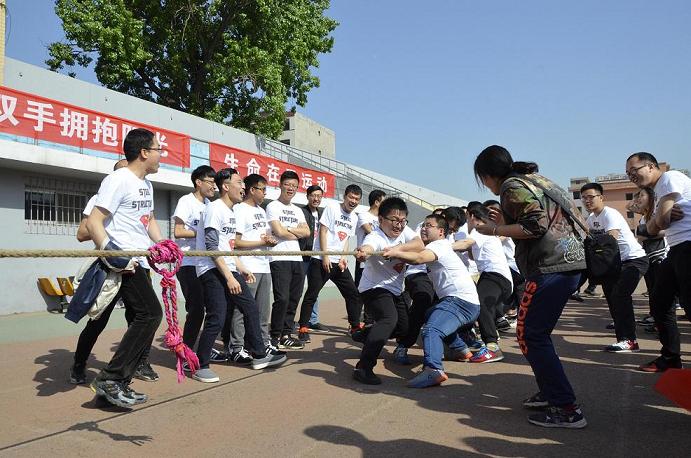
[(461, 277)]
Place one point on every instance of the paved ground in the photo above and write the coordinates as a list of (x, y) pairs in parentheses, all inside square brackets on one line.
[(312, 407)]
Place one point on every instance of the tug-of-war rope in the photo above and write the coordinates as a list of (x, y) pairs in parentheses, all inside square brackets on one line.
[(195, 253)]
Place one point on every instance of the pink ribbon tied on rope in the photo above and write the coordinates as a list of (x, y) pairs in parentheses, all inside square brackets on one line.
[(167, 251)]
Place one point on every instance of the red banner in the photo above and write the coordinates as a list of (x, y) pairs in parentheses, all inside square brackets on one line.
[(221, 156), (28, 115)]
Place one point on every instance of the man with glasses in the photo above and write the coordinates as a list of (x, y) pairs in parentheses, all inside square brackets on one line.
[(288, 225), (252, 233), (672, 213), (186, 219), (634, 264), (337, 225)]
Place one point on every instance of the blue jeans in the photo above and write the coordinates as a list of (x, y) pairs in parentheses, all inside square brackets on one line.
[(541, 306), (314, 318), (443, 320)]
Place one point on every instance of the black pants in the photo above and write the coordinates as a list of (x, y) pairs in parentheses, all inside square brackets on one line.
[(287, 278), (219, 302), (421, 292), (390, 316), (514, 300), (317, 277), (194, 303), (145, 311), (673, 278), (493, 290), (618, 293), (367, 316)]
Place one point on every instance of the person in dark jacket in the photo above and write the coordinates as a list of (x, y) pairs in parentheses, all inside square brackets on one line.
[(313, 212)]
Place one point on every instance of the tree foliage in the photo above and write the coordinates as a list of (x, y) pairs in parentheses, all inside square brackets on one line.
[(232, 61)]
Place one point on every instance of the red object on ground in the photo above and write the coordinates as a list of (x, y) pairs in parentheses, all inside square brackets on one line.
[(675, 385), (167, 251)]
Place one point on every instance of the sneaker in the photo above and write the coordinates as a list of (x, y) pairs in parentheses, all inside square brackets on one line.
[(145, 372), (366, 376), (559, 417), (359, 334), (645, 321), (400, 355), (77, 375), (660, 364), (218, 356), (186, 367), (651, 329), (502, 324), (487, 356), (205, 375), (241, 357), (590, 293), (460, 355), (318, 328), (271, 349), (536, 401), (428, 377), (577, 297), (304, 335), (113, 392), (139, 398), (624, 346), (610, 325), (288, 342), (269, 360)]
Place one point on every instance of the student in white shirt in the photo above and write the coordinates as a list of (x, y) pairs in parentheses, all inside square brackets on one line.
[(458, 303), (367, 221), (123, 219), (634, 264), (186, 217), (381, 286), (252, 233), (288, 225), (672, 213), (336, 226), (225, 278)]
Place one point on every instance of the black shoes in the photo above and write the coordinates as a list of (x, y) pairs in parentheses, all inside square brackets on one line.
[(145, 372)]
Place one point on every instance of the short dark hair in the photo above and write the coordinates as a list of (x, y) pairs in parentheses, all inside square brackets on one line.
[(135, 141), (596, 186), (643, 156), (390, 204), (441, 222), (222, 175), (313, 188), (454, 214), (115, 166), (253, 179), (352, 189), (375, 195), (491, 202), (438, 211), (289, 175), (477, 210), (201, 172)]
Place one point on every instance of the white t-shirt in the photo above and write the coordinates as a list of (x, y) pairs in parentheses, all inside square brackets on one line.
[(218, 216), (380, 272), (364, 218), (340, 225), (462, 234), (289, 216), (449, 275), (130, 201), (674, 182), (90, 205), (489, 256), (251, 223), (189, 210), (413, 269), (510, 253), (610, 219)]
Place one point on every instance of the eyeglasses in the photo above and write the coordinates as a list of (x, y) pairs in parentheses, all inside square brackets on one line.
[(397, 222), (634, 171), (428, 226), (589, 198), (259, 189), (290, 186), (154, 149), (211, 182)]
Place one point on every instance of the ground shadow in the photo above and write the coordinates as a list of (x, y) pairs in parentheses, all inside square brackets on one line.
[(93, 426)]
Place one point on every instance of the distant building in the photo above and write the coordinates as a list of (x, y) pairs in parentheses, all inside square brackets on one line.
[(619, 191), (303, 133)]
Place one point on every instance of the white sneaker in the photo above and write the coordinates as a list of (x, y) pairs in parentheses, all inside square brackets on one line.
[(625, 346)]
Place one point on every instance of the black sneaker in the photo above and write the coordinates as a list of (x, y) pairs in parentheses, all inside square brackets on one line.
[(318, 328), (146, 373), (559, 417), (577, 297), (502, 324), (77, 375), (218, 356), (304, 335), (271, 349), (241, 357), (366, 376), (290, 343), (113, 392), (536, 401), (139, 398)]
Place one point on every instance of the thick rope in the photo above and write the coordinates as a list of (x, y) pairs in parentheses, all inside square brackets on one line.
[(167, 251), (196, 253)]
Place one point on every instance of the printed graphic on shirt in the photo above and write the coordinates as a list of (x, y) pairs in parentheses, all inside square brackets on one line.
[(340, 226)]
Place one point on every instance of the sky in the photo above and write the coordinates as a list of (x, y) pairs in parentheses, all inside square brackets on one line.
[(416, 90)]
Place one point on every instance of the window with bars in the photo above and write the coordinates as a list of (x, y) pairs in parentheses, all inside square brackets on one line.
[(54, 206)]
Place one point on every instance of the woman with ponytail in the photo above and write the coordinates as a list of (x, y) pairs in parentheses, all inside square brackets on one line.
[(549, 253)]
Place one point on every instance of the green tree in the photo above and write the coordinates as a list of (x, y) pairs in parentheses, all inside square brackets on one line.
[(233, 61)]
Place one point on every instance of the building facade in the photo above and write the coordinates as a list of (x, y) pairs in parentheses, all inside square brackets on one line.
[(308, 135)]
